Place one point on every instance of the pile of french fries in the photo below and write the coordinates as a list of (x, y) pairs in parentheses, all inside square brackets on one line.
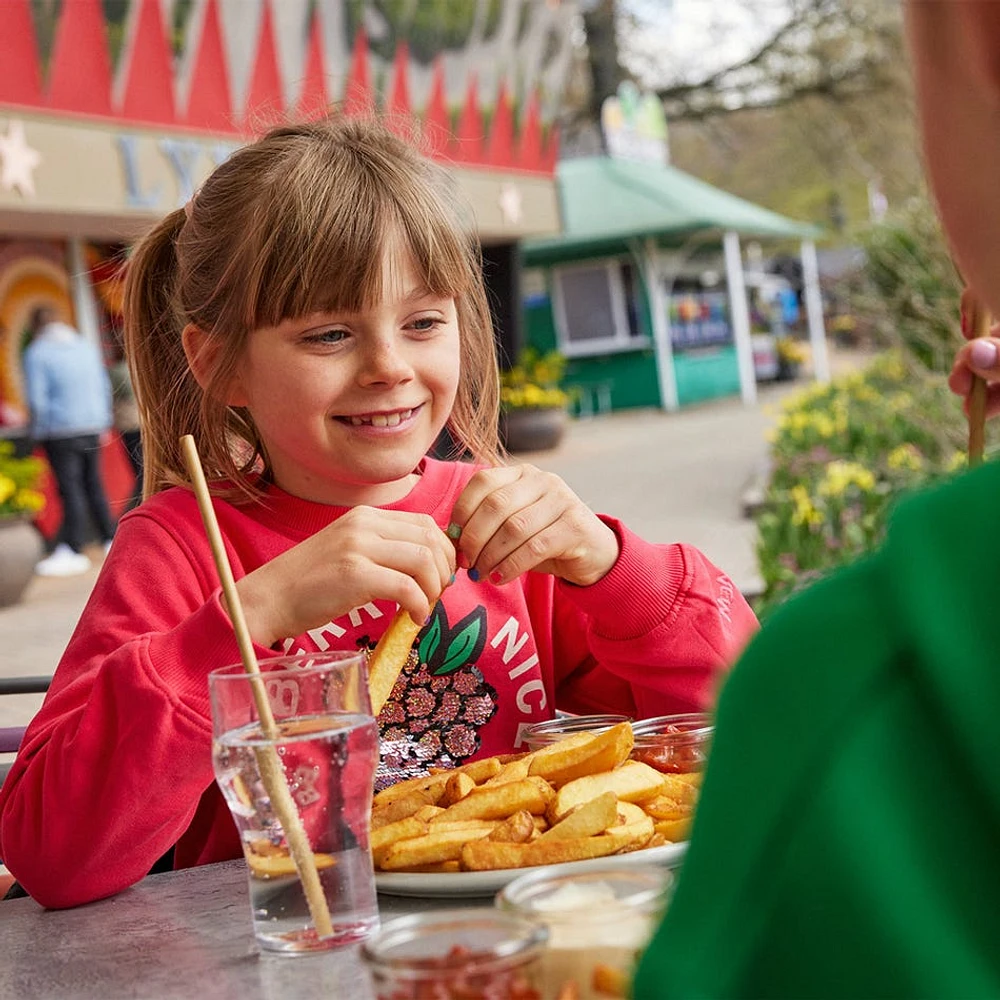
[(576, 799)]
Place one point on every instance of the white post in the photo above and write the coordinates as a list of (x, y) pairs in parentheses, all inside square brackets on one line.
[(814, 312), (82, 292), (662, 347), (740, 317)]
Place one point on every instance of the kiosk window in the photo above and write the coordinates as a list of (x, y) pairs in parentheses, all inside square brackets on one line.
[(590, 312), (595, 306)]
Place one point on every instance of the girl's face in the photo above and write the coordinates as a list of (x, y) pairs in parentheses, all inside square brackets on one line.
[(347, 405)]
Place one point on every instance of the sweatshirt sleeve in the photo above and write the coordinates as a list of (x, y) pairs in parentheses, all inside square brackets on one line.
[(113, 765), (654, 636)]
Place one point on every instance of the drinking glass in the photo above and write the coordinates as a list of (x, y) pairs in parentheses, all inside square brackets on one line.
[(316, 769)]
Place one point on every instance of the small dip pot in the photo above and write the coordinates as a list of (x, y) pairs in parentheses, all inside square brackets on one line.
[(597, 921), (467, 954), (674, 744)]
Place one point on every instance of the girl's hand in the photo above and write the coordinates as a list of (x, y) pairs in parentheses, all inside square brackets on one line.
[(368, 554), (518, 518), (981, 356)]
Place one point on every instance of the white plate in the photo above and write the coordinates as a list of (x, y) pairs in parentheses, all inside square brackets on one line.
[(445, 884)]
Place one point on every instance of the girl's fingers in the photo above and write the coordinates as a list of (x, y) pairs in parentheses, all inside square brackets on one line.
[(481, 485), (370, 525), (391, 585), (496, 508), (552, 542), (418, 562), (520, 531)]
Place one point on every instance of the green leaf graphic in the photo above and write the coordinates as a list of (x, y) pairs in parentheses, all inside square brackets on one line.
[(460, 648), (431, 639)]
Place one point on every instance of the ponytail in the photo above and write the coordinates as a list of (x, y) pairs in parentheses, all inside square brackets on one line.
[(166, 392), (170, 400)]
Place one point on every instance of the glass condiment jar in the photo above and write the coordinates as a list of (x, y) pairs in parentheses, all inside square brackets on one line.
[(543, 734), (467, 954), (673, 744), (598, 922)]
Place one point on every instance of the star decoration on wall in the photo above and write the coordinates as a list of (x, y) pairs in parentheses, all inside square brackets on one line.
[(510, 204), (17, 161)]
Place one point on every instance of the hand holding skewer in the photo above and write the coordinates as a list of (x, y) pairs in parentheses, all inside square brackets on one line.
[(976, 373)]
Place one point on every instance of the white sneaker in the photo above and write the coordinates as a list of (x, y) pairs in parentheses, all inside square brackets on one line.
[(63, 562)]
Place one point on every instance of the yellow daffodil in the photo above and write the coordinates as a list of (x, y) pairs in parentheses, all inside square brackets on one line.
[(29, 500), (805, 512), (839, 476), (959, 460), (907, 457)]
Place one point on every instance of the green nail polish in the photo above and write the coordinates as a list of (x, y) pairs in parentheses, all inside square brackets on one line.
[(454, 532)]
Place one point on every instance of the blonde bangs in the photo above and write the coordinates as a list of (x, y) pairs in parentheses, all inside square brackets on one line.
[(321, 227)]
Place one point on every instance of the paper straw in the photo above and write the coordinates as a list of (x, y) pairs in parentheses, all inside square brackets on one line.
[(271, 772)]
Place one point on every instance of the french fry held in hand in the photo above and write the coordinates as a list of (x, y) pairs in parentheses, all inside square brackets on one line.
[(577, 799), (389, 657)]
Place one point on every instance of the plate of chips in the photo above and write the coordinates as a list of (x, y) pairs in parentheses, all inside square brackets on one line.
[(577, 802)]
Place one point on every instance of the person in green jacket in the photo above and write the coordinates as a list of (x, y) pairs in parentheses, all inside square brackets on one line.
[(847, 842)]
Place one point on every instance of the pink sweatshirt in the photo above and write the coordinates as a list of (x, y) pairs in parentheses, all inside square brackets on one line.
[(116, 768)]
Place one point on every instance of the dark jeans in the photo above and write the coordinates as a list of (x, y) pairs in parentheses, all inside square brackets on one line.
[(133, 448), (75, 463)]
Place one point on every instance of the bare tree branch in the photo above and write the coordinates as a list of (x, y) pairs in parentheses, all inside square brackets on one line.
[(835, 49), (756, 58)]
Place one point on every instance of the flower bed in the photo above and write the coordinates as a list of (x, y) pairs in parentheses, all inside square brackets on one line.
[(842, 455), (19, 480)]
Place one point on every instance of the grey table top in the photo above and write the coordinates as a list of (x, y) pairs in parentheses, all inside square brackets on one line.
[(178, 935)]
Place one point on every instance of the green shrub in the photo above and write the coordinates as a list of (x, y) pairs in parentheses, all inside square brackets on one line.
[(912, 288), (842, 454)]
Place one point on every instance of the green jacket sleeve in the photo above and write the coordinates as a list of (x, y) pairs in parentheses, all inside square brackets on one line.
[(845, 844)]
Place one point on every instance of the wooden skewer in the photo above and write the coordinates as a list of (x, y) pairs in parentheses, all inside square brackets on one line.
[(271, 772), (977, 398)]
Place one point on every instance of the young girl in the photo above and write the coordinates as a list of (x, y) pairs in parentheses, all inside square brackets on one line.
[(315, 317)]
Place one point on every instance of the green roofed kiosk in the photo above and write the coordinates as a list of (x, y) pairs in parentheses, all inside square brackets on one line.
[(631, 291)]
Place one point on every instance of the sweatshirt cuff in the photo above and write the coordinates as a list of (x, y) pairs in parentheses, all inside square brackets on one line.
[(204, 642), (640, 591)]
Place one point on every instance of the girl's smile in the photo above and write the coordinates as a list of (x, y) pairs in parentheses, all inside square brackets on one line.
[(394, 421)]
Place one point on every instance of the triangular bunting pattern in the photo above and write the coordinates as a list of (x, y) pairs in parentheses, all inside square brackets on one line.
[(209, 104), (20, 75), (149, 86), (80, 72), (264, 105)]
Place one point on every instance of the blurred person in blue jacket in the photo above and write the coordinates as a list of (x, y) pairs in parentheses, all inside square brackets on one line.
[(69, 395)]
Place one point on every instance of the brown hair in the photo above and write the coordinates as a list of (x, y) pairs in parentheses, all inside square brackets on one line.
[(295, 223)]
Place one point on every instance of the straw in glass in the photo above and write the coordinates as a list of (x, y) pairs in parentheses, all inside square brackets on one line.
[(271, 772)]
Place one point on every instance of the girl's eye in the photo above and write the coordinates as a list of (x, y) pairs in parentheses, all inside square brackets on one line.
[(326, 337), (426, 323)]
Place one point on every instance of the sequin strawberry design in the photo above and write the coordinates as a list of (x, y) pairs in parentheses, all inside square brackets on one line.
[(433, 715)]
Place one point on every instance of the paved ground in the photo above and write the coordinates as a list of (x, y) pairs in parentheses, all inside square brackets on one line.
[(673, 477)]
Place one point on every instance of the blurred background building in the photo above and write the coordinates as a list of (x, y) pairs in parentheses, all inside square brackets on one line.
[(112, 113)]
